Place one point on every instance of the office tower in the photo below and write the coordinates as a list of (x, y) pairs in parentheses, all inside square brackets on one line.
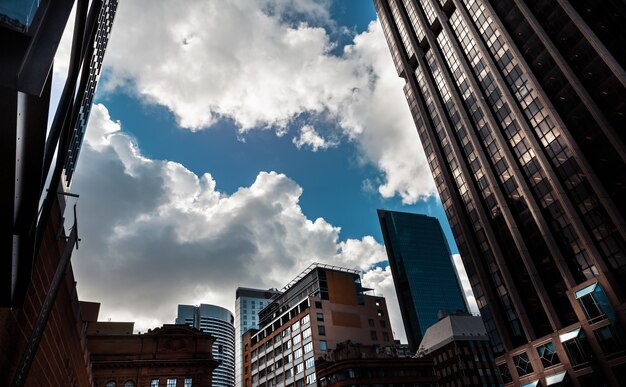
[(423, 272), (219, 322), (459, 347), (323, 306), (520, 107), (248, 304)]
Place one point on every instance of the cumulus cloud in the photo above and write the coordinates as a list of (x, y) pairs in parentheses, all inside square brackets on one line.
[(265, 64), (311, 138), (155, 234)]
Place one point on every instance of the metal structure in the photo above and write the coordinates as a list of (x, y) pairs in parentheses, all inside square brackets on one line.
[(30, 32)]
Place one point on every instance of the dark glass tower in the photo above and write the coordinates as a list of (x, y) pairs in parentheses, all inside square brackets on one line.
[(422, 270), (521, 109)]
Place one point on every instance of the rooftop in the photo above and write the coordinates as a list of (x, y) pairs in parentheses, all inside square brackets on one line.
[(452, 328)]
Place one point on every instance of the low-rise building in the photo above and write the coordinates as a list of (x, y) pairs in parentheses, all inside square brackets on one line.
[(461, 352), (323, 306)]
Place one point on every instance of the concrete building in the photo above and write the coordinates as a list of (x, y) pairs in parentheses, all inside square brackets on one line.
[(352, 364), (323, 306), (219, 322), (248, 304), (461, 352), (423, 272), (520, 107)]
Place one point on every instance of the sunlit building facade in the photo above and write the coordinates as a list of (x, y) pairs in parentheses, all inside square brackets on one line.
[(318, 310), (521, 108)]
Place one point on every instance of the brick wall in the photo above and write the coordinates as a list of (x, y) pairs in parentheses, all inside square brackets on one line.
[(62, 358)]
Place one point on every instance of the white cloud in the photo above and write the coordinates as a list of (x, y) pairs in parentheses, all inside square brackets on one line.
[(154, 234), (311, 138), (260, 65), (465, 283)]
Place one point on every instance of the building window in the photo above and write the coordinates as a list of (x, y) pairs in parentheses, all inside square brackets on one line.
[(522, 364), (318, 304), (385, 336), (129, 383), (310, 379), (305, 320), (299, 368), (594, 303), (378, 302), (505, 373), (111, 384), (548, 355), (309, 363), (295, 326), (308, 347), (371, 323), (373, 335), (611, 339), (306, 333), (188, 382), (297, 353), (154, 382), (320, 316), (576, 346), (323, 345), (296, 339), (321, 330), (171, 383), (383, 324), (380, 313)]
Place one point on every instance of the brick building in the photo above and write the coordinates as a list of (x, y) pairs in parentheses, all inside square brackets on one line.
[(62, 357), (461, 352), (174, 355), (323, 306)]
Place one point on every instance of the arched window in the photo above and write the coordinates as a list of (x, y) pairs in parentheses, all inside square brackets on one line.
[(111, 384), (129, 383)]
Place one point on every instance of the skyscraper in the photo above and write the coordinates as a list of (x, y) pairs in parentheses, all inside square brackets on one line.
[(423, 272), (218, 322), (521, 108), (248, 304)]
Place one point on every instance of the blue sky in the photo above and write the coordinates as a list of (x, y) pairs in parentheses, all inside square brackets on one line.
[(236, 144)]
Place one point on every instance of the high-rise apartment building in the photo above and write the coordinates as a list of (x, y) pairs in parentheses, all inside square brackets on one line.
[(219, 322), (323, 306), (423, 272), (248, 304), (521, 108)]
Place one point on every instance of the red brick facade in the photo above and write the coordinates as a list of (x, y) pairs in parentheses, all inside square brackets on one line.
[(62, 358), (171, 352)]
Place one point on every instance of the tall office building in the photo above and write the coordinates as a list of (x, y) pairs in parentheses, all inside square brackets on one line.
[(323, 306), (248, 304), (521, 108), (219, 322), (423, 272)]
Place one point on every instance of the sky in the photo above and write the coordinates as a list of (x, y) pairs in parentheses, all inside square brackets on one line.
[(233, 143)]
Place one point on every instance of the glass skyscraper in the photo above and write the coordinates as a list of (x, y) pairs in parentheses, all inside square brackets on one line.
[(248, 304), (219, 322), (521, 109), (423, 272)]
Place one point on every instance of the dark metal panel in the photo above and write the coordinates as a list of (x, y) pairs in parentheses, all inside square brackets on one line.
[(8, 121)]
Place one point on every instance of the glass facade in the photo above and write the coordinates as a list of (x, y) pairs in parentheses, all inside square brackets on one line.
[(422, 269), (520, 107)]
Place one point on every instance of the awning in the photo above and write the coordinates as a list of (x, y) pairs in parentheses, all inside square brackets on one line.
[(569, 335), (556, 378), (586, 290)]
